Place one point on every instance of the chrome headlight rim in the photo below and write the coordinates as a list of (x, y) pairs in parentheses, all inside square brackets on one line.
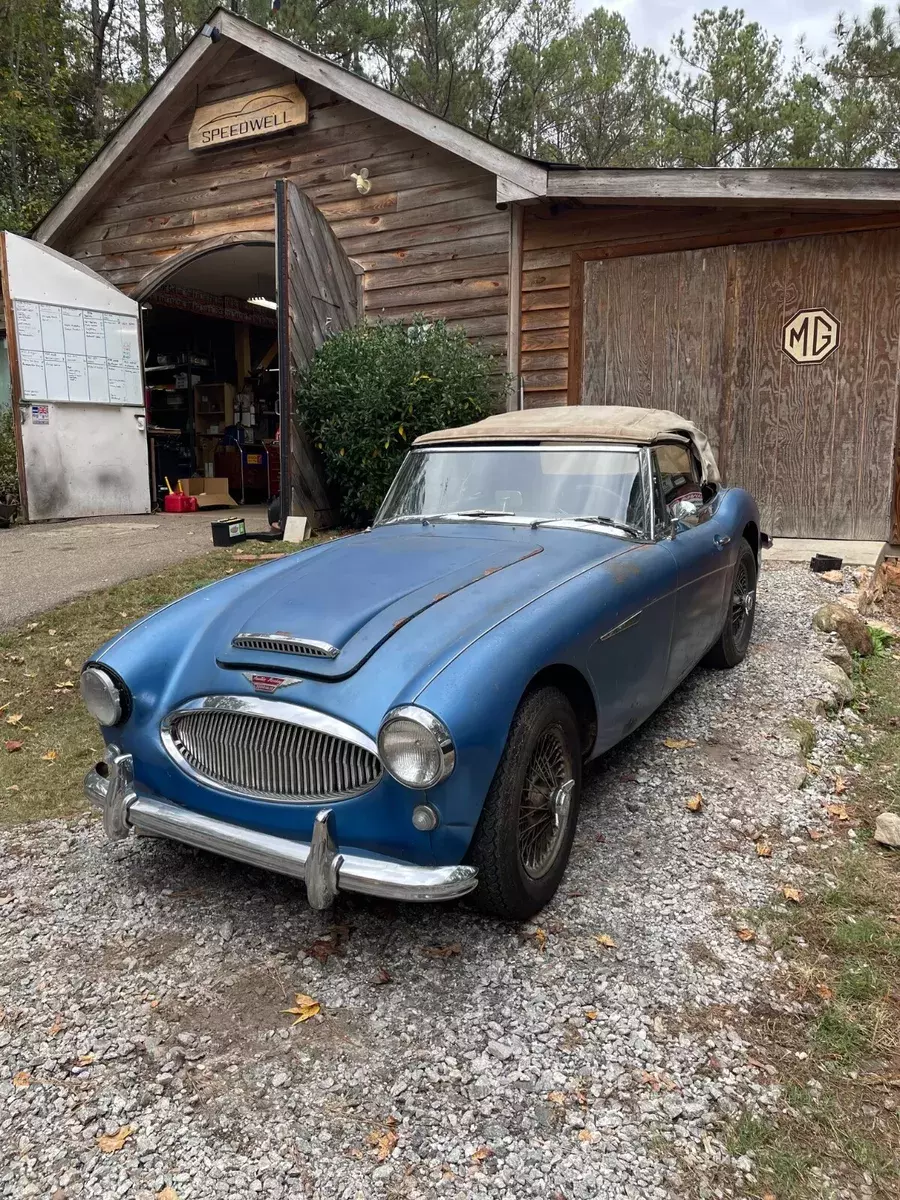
[(117, 693), (433, 726)]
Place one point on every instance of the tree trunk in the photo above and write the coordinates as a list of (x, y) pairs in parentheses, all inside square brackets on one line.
[(143, 42), (170, 30)]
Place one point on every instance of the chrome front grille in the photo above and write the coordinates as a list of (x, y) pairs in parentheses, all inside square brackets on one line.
[(283, 643), (260, 755)]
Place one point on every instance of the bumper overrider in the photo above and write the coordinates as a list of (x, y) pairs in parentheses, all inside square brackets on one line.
[(324, 869)]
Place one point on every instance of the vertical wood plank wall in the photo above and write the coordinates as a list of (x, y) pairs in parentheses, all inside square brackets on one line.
[(555, 239), (428, 236), (699, 331)]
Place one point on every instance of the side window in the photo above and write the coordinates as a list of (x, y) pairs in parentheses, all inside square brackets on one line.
[(678, 474)]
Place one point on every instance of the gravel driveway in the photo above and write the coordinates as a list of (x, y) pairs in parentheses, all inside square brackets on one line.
[(143, 987)]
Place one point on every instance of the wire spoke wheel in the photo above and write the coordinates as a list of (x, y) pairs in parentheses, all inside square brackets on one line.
[(545, 803), (743, 596)]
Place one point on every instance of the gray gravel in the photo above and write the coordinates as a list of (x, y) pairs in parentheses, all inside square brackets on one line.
[(143, 985)]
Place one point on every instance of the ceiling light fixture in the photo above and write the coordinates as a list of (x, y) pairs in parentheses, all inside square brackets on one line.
[(262, 302)]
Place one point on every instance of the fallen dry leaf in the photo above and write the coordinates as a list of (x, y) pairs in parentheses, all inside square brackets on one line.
[(12, 747), (792, 893), (66, 683), (168, 1193), (322, 949), (838, 811), (678, 743), (382, 1142), (840, 785), (585, 1135), (50, 756), (695, 803), (304, 1008), (482, 1153), (815, 834), (14, 718), (556, 1097), (382, 977), (603, 939), (84, 1060), (824, 991), (745, 934), (57, 1027), (109, 1143), (539, 937), (442, 951), (21, 1079), (763, 849), (591, 1014)]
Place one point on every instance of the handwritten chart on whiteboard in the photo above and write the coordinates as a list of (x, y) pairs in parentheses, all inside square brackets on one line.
[(79, 355)]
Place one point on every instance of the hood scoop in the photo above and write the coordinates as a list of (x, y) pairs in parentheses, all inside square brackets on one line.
[(284, 643)]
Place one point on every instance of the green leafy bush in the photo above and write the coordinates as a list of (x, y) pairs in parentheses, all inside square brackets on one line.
[(371, 390), (9, 483)]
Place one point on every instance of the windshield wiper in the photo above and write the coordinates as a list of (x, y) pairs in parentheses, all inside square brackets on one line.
[(592, 520), (472, 512)]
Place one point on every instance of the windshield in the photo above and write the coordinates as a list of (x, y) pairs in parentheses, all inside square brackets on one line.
[(533, 483)]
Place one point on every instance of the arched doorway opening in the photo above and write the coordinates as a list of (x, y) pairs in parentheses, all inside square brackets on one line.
[(211, 371)]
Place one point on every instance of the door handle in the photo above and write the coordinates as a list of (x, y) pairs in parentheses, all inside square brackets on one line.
[(721, 540)]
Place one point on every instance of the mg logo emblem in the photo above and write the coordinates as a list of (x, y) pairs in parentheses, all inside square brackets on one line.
[(811, 335)]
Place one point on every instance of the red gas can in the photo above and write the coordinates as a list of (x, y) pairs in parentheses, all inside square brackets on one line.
[(177, 502)]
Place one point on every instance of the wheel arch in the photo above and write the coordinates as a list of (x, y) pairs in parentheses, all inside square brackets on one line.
[(751, 534), (577, 690)]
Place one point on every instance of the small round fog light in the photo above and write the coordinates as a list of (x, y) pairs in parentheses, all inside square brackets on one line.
[(424, 818)]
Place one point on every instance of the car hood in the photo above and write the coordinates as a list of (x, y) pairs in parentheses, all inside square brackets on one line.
[(355, 593)]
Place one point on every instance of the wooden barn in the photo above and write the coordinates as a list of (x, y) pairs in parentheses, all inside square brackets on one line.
[(260, 197)]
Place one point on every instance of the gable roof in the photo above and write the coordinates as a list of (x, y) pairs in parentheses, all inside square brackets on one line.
[(517, 178)]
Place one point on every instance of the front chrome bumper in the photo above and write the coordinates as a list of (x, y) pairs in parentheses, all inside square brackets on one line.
[(321, 865)]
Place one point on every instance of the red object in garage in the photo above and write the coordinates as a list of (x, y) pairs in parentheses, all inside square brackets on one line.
[(177, 502)]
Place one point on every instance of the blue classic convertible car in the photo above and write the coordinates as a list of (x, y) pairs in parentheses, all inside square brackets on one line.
[(407, 712)]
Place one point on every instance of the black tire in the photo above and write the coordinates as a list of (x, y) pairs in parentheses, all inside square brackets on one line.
[(731, 648), (516, 878)]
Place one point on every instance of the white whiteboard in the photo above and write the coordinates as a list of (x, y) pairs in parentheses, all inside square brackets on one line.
[(78, 355)]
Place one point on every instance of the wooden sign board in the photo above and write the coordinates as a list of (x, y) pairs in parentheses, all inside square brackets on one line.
[(241, 117)]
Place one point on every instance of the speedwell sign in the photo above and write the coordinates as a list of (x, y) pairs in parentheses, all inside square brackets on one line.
[(811, 335), (241, 117)]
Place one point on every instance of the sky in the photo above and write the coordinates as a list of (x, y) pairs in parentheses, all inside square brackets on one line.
[(652, 22)]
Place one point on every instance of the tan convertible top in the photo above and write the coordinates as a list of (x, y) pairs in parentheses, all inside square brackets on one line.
[(587, 423)]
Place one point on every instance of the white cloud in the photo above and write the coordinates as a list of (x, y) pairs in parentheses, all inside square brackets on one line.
[(652, 22)]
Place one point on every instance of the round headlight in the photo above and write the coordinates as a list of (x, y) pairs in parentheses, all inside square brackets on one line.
[(416, 747), (102, 696)]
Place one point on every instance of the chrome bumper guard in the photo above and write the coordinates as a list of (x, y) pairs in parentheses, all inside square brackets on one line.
[(321, 865)]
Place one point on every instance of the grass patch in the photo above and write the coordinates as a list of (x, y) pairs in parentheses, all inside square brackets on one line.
[(839, 1068), (805, 734), (39, 667)]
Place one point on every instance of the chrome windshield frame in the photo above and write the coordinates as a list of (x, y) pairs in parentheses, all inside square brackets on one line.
[(644, 468)]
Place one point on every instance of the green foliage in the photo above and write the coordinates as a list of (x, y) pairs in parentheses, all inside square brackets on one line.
[(371, 390), (9, 484), (540, 77)]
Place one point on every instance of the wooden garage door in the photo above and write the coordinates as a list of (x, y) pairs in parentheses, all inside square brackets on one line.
[(701, 332)]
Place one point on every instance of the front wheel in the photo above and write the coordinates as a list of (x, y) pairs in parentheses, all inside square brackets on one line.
[(524, 837), (734, 639)]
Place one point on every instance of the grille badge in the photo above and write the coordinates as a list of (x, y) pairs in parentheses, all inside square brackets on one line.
[(267, 684)]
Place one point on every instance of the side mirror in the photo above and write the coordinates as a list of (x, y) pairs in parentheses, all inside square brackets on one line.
[(685, 511)]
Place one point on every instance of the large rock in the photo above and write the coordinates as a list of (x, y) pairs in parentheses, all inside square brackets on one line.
[(838, 653), (887, 829), (848, 625), (839, 689)]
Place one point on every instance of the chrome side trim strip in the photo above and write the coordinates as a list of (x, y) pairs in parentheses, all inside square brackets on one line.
[(323, 867), (628, 623)]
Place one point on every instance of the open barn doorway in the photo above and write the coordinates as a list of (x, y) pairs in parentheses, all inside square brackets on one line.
[(211, 372)]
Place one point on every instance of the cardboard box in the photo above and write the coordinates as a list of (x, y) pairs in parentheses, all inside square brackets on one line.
[(210, 493)]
